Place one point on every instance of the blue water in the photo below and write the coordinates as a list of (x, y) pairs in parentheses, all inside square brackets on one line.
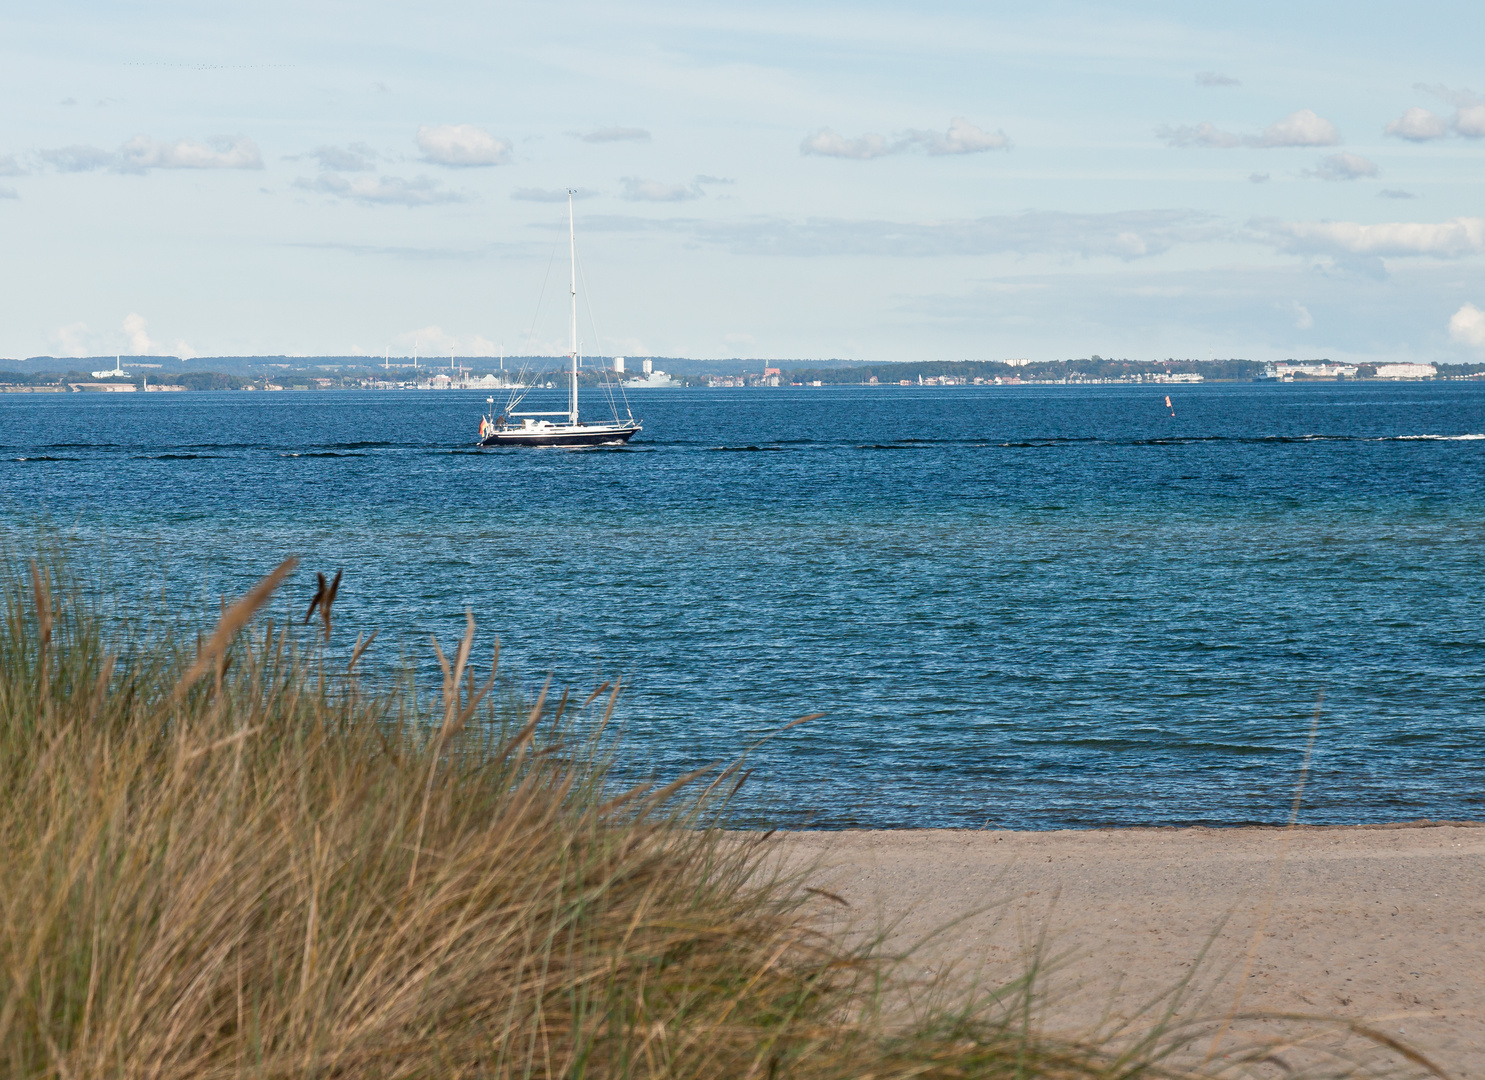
[(1035, 607)]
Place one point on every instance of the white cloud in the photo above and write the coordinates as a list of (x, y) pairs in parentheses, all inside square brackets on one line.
[(1469, 116), (357, 157), (638, 189), (381, 190), (462, 145), (961, 138), (433, 344), (1344, 166), (1302, 128), (1258, 178), (1470, 121), (1418, 125), (9, 166), (613, 134), (135, 329), (9, 192), (77, 158), (73, 339), (1216, 78), (531, 194), (827, 143), (142, 153), (1467, 326), (1303, 320), (1452, 239), (1205, 134), (1395, 193), (1458, 98)]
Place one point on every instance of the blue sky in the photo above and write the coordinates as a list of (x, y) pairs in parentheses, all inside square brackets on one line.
[(880, 182)]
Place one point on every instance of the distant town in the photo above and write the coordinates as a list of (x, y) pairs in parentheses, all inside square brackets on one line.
[(159, 374)]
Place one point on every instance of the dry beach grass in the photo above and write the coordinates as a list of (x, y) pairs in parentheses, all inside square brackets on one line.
[(224, 857)]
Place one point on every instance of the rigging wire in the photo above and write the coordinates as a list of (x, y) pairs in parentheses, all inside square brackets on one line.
[(518, 393), (607, 383)]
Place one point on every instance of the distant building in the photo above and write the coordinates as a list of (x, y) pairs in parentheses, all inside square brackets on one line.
[(116, 372), (771, 371), (1319, 369), (619, 364), (1406, 371), (647, 367)]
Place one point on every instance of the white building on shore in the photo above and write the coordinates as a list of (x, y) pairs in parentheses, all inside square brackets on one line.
[(1313, 369), (1406, 371)]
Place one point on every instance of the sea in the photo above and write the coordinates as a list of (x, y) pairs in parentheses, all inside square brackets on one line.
[(1033, 607)]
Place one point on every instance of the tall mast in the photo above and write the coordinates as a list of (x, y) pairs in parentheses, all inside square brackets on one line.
[(572, 251)]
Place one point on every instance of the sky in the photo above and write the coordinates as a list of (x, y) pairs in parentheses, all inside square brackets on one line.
[(796, 180)]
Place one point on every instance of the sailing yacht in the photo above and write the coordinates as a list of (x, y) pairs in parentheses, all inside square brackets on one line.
[(511, 428)]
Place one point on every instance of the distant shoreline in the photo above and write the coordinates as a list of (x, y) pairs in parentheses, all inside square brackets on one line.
[(1378, 826), (73, 386)]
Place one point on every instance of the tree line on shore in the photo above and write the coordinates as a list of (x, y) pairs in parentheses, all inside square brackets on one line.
[(315, 376)]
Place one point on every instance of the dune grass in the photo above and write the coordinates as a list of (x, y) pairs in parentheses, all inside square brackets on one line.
[(225, 858)]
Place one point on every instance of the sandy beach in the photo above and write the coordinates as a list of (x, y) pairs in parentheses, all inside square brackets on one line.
[(1378, 923)]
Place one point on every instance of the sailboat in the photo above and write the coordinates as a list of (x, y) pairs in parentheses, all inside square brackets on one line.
[(511, 428)]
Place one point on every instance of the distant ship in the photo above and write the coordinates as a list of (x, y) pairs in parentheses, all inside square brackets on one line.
[(534, 429)]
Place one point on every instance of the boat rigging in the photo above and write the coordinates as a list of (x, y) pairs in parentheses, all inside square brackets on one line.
[(512, 428)]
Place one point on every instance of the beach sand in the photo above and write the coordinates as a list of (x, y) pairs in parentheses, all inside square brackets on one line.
[(1378, 923)]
